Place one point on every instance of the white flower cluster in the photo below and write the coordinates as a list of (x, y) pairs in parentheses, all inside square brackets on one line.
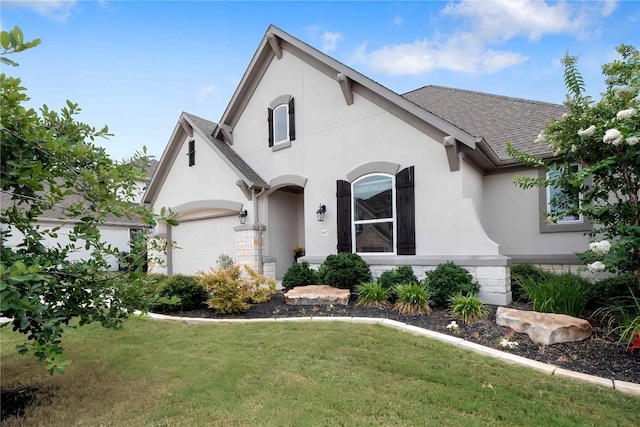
[(596, 266), (625, 114), (540, 139), (632, 140), (600, 248), (508, 344), (613, 136), (588, 131), (453, 327)]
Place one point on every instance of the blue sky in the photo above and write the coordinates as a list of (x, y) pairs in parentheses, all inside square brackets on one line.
[(136, 65)]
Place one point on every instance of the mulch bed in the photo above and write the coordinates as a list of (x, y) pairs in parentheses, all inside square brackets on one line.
[(598, 355)]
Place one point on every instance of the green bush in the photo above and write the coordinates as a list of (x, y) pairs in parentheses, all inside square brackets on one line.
[(564, 293), (609, 291), (520, 272), (299, 274), (344, 271), (397, 276), (447, 280), (468, 308), (229, 292), (192, 295), (143, 293), (224, 261), (372, 294), (411, 299)]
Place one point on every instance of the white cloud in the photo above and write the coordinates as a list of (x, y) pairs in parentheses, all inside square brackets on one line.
[(330, 40), (482, 29), (501, 20), (397, 21), (58, 10), (203, 93), (609, 7)]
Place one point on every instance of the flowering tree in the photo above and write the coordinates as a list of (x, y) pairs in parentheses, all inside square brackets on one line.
[(48, 160), (602, 139)]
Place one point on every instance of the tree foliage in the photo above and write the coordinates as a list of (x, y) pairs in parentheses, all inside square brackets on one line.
[(602, 137), (49, 161)]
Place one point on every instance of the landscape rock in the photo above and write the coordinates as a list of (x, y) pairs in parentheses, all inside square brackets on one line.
[(317, 295), (544, 328)]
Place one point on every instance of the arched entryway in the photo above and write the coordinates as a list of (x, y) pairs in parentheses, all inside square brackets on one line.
[(285, 225)]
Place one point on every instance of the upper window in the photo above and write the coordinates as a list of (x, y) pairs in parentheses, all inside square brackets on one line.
[(192, 152), (373, 207), (281, 122)]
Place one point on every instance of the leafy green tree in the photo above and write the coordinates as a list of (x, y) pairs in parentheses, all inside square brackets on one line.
[(602, 138), (49, 161)]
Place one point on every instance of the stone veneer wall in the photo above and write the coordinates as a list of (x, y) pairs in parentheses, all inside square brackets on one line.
[(493, 274), (247, 249)]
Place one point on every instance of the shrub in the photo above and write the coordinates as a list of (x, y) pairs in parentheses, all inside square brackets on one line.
[(143, 293), (298, 275), (564, 293), (229, 292), (412, 299), (344, 270), (397, 276), (192, 295), (446, 280), (468, 308), (373, 294), (520, 272)]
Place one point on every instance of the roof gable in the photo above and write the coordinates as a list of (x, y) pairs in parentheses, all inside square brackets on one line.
[(187, 125)]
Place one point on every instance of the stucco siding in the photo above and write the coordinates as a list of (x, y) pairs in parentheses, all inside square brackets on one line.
[(512, 219), (333, 138)]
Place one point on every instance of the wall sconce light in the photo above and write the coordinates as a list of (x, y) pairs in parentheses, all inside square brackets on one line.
[(321, 211), (243, 216)]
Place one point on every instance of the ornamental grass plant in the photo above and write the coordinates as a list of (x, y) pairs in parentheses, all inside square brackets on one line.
[(468, 308), (564, 293), (373, 294), (411, 299)]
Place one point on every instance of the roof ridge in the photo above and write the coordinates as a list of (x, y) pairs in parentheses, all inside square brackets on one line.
[(493, 95)]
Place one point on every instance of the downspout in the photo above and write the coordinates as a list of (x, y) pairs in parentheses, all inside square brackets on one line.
[(257, 218)]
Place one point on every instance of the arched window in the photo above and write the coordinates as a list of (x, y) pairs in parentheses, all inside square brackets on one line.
[(281, 122), (373, 207)]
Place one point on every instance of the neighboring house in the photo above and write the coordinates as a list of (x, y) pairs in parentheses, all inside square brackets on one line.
[(116, 231), (414, 179)]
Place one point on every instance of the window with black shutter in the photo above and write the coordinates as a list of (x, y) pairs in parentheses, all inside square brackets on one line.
[(406, 212), (281, 121), (343, 195), (192, 152)]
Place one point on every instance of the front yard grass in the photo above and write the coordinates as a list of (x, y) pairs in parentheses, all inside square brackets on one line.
[(293, 374)]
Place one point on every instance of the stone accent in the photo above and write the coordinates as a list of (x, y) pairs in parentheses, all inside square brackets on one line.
[(248, 249), (544, 328), (317, 295)]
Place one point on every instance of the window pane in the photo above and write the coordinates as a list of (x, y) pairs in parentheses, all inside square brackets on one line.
[(373, 198), (280, 124), (561, 199), (374, 237)]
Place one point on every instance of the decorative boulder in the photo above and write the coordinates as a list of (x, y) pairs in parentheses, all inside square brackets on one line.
[(317, 295), (544, 328)]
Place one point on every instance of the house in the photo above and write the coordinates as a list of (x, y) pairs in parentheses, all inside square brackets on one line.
[(414, 179), (116, 231)]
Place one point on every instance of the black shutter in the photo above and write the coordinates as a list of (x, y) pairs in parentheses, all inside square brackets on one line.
[(270, 121), (406, 210), (292, 122), (192, 152), (343, 195)]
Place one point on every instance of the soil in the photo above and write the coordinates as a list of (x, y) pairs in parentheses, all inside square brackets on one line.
[(598, 355)]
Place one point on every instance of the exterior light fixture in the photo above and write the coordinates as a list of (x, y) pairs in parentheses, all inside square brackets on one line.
[(321, 211), (243, 216)]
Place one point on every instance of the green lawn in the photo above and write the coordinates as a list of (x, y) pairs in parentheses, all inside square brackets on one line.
[(295, 374)]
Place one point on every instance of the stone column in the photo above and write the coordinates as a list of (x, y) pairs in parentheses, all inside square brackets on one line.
[(247, 246)]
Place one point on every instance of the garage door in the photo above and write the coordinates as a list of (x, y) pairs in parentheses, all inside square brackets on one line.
[(201, 242)]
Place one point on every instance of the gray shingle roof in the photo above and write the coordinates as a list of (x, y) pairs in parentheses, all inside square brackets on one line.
[(207, 127), (495, 118)]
